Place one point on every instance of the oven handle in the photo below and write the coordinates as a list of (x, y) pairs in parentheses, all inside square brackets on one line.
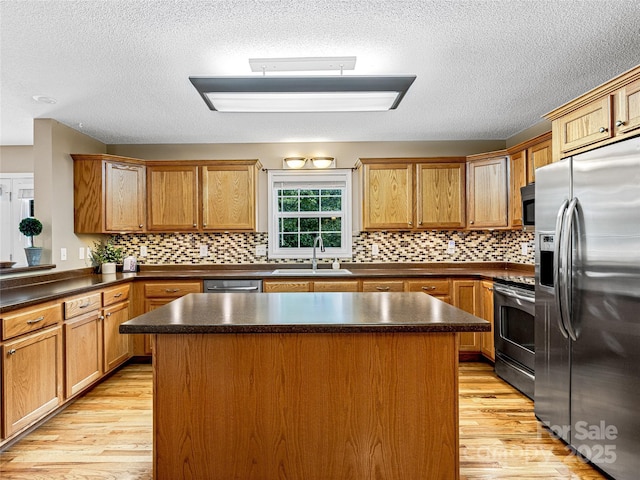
[(566, 293), (556, 267), (508, 292)]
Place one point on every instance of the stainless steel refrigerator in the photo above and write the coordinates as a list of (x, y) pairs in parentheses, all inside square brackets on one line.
[(587, 324)]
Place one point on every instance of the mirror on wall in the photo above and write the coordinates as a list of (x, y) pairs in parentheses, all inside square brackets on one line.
[(16, 203)]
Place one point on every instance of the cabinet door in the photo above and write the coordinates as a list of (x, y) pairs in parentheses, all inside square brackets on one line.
[(436, 287), (517, 179), (488, 193), (585, 125), (441, 195), (628, 114), (125, 197), (117, 346), (539, 156), (31, 377), (172, 198), (486, 338), (83, 352), (466, 296), (228, 197), (388, 196)]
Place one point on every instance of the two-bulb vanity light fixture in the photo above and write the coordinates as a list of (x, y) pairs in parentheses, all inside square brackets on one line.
[(298, 163)]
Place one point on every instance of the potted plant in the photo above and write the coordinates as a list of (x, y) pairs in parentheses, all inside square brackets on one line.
[(105, 255), (31, 227)]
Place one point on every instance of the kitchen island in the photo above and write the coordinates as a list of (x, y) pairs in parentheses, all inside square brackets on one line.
[(305, 385)]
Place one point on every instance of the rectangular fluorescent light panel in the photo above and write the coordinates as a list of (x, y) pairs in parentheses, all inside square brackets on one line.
[(302, 101)]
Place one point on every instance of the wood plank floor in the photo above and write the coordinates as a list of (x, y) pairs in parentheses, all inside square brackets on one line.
[(107, 435)]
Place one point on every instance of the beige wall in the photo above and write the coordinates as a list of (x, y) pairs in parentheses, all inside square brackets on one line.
[(16, 159), (53, 175), (529, 133), (271, 155)]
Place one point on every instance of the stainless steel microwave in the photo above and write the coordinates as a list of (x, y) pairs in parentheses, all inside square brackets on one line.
[(528, 195)]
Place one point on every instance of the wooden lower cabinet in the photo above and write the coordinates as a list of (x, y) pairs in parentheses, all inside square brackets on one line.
[(83, 352), (32, 378), (486, 338), (117, 347), (269, 286), (336, 286), (382, 286), (466, 296), (439, 288)]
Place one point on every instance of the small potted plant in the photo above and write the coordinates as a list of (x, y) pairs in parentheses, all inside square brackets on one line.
[(31, 227), (105, 256)]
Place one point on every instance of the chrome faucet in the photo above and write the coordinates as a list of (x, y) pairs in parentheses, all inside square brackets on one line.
[(314, 261)]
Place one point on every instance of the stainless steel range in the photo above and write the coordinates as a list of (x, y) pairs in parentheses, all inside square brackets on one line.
[(514, 318)]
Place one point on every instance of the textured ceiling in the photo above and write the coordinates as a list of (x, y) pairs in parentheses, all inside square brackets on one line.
[(485, 69)]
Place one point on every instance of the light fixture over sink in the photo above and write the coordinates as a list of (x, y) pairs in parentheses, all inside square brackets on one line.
[(326, 93), (298, 163)]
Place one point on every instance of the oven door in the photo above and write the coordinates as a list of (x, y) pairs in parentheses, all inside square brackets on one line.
[(514, 315)]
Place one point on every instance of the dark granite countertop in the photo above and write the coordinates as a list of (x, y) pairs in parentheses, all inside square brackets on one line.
[(26, 291), (305, 313)]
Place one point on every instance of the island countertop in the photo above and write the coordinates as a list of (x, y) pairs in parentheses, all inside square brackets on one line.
[(199, 313)]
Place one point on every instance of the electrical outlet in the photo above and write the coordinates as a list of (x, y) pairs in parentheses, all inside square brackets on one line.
[(525, 248), (261, 250), (143, 250), (451, 247), (375, 251), (81, 253), (63, 253), (204, 250)]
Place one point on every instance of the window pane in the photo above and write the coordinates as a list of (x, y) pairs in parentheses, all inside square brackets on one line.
[(331, 224), (289, 225), (331, 192), (331, 240), (306, 240), (288, 240), (288, 193), (309, 193), (289, 204), (308, 204), (310, 225), (331, 204)]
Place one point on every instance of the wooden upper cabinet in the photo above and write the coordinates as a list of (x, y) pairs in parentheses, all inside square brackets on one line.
[(627, 116), (172, 202), (125, 199), (108, 194), (517, 179), (441, 195), (487, 192), (606, 114), (388, 196), (228, 196), (586, 125), (538, 156)]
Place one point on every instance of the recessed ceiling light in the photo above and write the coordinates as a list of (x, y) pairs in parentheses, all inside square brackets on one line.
[(44, 99)]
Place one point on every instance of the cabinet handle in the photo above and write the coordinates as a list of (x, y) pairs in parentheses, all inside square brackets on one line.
[(88, 304), (470, 222), (603, 129), (619, 123), (140, 226), (382, 289), (109, 314), (117, 295), (35, 320), (172, 290), (420, 222), (428, 288), (490, 289), (410, 223), (12, 351), (101, 317), (195, 225), (204, 224)]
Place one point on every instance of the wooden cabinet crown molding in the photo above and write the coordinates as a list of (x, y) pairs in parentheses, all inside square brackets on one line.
[(605, 88), (529, 143)]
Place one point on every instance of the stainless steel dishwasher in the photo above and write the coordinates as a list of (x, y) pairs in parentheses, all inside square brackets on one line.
[(226, 286)]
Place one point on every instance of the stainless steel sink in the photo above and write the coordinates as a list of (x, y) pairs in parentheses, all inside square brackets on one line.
[(309, 271)]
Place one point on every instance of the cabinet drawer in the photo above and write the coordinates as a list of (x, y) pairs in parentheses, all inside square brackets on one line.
[(171, 289), (290, 286), (432, 287), (115, 295), (336, 286), (80, 305), (383, 286), (30, 319)]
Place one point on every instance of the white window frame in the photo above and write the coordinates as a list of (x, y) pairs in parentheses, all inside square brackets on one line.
[(335, 178)]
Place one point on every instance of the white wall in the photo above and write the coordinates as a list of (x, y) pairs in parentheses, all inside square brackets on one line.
[(16, 159)]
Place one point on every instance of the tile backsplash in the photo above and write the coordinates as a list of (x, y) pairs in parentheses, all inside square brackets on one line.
[(393, 247)]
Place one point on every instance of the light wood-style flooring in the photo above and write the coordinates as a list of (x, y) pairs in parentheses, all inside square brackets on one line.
[(106, 434)]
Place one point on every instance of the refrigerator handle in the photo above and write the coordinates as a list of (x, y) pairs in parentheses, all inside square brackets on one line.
[(566, 292), (556, 267)]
